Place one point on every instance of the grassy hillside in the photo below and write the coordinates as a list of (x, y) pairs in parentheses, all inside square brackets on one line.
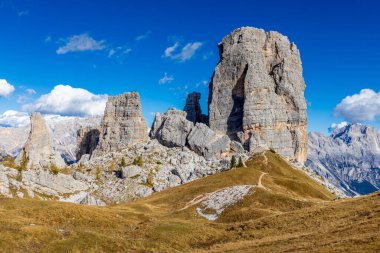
[(285, 212)]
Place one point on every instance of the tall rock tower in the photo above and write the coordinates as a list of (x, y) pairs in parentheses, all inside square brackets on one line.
[(38, 149), (257, 93), (122, 124)]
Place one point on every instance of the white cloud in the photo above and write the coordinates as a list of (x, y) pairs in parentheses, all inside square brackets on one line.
[(337, 126), (111, 52), (81, 42), (65, 100), (30, 91), (143, 36), (14, 119), (48, 39), (118, 52), (23, 13), (127, 51), (166, 79), (186, 53), (204, 83), (364, 106), (169, 51), (5, 88)]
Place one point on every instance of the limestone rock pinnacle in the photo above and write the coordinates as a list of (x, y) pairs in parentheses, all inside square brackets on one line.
[(257, 93)]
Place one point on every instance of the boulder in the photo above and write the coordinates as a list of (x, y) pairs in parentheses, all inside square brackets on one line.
[(131, 171), (257, 93), (171, 128), (206, 142)]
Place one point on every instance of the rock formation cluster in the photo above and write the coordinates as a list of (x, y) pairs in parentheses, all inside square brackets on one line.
[(256, 101), (172, 129), (257, 93)]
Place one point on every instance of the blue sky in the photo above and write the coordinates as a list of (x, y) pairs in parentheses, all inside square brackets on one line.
[(131, 41)]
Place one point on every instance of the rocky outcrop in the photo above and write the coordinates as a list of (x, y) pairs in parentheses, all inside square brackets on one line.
[(3, 154), (206, 142), (257, 93), (38, 150), (193, 107), (88, 139), (171, 128), (349, 158), (122, 125)]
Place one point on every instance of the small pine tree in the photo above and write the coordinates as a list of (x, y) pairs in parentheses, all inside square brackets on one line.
[(240, 163), (54, 169), (97, 173), (24, 161), (233, 162), (122, 162), (112, 167), (138, 161)]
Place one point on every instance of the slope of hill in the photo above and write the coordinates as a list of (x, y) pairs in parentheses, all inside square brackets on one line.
[(267, 205)]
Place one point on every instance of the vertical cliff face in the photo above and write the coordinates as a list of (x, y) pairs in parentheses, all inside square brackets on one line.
[(88, 139), (122, 124), (257, 93), (39, 146)]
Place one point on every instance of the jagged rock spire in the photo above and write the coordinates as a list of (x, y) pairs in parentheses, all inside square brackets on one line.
[(38, 150)]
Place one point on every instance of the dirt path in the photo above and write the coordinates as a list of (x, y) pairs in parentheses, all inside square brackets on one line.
[(259, 184)]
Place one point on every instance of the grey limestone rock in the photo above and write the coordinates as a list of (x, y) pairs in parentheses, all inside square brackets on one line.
[(88, 139), (257, 93), (193, 107), (206, 142), (122, 125), (131, 171), (39, 146), (171, 128)]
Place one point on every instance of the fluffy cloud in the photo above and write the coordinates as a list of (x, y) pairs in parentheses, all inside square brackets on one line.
[(68, 101), (364, 106), (81, 42), (337, 126), (184, 54), (5, 88), (30, 91), (14, 119), (166, 79)]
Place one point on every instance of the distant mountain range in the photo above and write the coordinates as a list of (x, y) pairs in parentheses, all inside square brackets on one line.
[(63, 130), (349, 158)]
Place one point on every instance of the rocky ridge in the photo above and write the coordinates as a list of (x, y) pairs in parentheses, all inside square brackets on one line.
[(349, 158)]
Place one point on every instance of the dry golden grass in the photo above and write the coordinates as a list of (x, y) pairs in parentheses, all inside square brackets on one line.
[(293, 214)]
